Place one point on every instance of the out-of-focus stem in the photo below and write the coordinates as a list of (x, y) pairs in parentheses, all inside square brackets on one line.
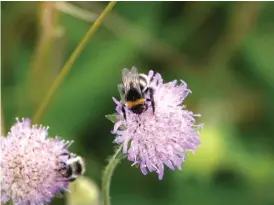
[(73, 10), (70, 61), (157, 49), (242, 20), (41, 71), (113, 162)]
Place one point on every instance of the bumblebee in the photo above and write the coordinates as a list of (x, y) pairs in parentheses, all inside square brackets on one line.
[(73, 167), (135, 88)]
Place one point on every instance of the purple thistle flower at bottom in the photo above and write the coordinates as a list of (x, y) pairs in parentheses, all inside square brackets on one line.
[(29, 165), (154, 140)]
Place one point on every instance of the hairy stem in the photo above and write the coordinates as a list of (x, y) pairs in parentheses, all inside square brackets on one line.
[(113, 162), (64, 71)]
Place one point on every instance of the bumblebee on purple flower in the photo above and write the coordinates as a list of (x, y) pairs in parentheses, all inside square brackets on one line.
[(137, 91), (153, 126), (34, 166)]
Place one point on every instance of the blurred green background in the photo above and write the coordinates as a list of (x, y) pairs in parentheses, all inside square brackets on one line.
[(223, 50)]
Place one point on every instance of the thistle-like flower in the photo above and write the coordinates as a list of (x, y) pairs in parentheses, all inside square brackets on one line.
[(31, 164), (152, 140)]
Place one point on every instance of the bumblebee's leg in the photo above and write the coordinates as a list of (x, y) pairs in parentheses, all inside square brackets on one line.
[(154, 74), (151, 94), (62, 193), (66, 154), (61, 169), (124, 112), (63, 166), (72, 179)]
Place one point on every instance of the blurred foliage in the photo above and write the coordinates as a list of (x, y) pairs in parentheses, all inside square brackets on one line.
[(83, 192), (223, 50)]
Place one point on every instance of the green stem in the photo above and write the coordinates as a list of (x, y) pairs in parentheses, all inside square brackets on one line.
[(114, 161), (64, 71)]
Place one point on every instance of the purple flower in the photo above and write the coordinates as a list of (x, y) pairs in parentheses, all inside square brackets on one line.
[(154, 140), (29, 164)]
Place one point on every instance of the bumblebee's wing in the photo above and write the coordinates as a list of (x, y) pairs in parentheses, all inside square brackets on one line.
[(130, 77), (122, 93)]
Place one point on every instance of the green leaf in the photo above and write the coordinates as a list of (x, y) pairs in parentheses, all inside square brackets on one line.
[(122, 127), (112, 118)]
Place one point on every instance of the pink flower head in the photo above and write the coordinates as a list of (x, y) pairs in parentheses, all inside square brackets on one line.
[(31, 163), (163, 138)]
